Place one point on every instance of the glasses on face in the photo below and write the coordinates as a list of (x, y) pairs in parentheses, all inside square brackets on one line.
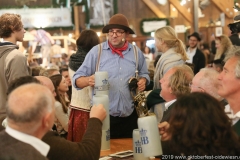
[(193, 86), (192, 40), (118, 33)]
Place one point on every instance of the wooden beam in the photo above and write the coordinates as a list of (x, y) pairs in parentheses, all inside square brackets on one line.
[(181, 9), (154, 8), (225, 6)]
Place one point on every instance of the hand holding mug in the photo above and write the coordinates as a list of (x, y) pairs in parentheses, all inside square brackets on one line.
[(163, 127)]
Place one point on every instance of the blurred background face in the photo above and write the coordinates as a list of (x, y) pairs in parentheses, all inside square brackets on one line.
[(193, 42), (218, 44), (20, 34), (147, 50), (63, 87), (65, 74)]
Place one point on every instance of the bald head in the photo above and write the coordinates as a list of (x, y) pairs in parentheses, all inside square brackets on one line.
[(206, 80), (28, 105), (47, 82)]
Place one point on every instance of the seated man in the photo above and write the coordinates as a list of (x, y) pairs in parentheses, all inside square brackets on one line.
[(60, 148), (30, 114), (174, 84), (206, 81), (229, 86)]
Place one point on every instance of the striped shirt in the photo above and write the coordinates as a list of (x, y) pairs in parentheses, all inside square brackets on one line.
[(120, 70), (42, 38)]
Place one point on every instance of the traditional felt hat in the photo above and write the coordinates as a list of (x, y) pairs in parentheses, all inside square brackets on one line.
[(195, 34), (235, 26), (118, 21)]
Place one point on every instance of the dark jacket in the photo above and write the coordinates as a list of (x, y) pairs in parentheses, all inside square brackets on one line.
[(88, 149), (13, 149), (236, 127), (166, 114), (235, 39), (198, 61)]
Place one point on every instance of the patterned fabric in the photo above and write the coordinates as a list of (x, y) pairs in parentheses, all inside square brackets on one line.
[(76, 128), (168, 60), (119, 50), (77, 59)]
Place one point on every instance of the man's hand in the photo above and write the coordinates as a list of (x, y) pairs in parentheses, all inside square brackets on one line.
[(142, 84), (163, 127), (98, 112), (91, 80)]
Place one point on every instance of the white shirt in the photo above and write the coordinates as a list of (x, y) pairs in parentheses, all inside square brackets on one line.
[(167, 104), (36, 143), (231, 115), (191, 54)]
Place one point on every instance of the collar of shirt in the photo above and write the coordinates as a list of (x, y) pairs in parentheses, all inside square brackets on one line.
[(231, 115), (39, 145), (191, 54), (167, 104), (193, 51)]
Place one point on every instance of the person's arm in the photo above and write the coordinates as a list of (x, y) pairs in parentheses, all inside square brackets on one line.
[(90, 146), (84, 76), (61, 116), (85, 81), (16, 66), (34, 46)]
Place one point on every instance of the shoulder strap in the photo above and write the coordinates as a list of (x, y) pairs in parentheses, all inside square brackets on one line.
[(99, 55), (136, 59)]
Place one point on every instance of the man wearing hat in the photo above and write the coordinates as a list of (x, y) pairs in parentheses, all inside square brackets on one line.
[(235, 31), (118, 59), (195, 56)]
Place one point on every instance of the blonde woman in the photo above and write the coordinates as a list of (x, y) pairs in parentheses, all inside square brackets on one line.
[(173, 52), (223, 43)]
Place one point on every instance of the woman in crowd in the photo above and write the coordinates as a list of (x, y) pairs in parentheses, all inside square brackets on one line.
[(173, 52), (207, 53), (61, 106), (223, 44), (81, 99), (199, 126)]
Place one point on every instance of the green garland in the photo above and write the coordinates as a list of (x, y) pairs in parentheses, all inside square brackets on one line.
[(148, 20)]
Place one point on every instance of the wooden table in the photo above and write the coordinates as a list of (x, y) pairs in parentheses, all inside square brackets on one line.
[(118, 145)]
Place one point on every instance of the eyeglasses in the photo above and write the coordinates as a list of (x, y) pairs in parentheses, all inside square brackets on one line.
[(193, 86), (193, 40), (118, 33)]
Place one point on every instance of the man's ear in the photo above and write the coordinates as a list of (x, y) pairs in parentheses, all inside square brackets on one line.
[(170, 89), (46, 121)]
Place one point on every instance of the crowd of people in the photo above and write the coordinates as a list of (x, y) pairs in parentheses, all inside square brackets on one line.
[(47, 113)]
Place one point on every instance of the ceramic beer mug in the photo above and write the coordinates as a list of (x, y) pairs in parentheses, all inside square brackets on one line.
[(150, 138), (137, 148)]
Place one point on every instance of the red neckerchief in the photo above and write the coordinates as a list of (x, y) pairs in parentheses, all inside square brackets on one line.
[(119, 50)]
